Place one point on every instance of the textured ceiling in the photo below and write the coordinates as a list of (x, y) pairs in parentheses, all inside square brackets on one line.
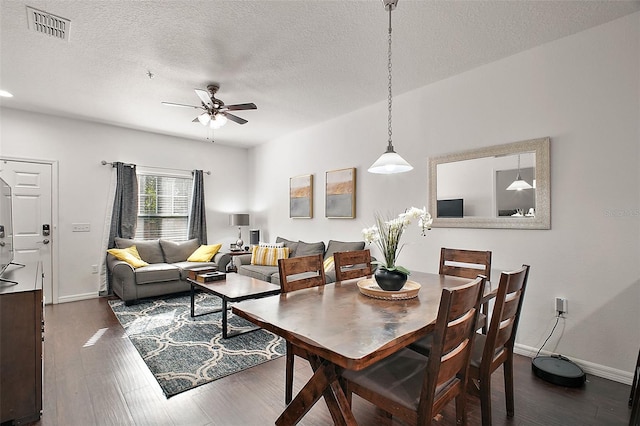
[(300, 62)]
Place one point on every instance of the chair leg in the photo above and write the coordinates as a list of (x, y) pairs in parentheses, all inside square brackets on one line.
[(485, 399), (461, 412), (508, 384), (288, 379)]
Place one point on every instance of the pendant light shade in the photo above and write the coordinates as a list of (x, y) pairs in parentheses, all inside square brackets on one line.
[(519, 184), (390, 162)]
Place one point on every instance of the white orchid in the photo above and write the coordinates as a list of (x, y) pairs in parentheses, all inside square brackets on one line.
[(386, 234)]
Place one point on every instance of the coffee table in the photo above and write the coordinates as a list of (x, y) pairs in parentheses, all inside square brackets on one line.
[(234, 288)]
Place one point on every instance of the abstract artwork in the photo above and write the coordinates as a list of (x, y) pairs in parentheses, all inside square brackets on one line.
[(301, 197), (340, 199)]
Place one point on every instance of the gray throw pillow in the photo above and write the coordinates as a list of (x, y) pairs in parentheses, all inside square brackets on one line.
[(178, 252), (335, 246), (149, 250), (293, 245), (308, 249)]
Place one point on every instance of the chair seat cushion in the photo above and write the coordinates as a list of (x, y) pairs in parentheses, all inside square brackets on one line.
[(398, 377), (157, 272)]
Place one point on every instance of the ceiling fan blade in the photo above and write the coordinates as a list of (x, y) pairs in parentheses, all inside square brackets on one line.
[(181, 105), (238, 107), (204, 97), (235, 118)]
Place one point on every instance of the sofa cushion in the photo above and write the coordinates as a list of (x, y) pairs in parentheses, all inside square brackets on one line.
[(335, 246), (260, 272), (308, 249), (178, 252), (129, 255), (293, 245), (204, 253), (268, 256), (157, 272), (149, 250), (185, 267)]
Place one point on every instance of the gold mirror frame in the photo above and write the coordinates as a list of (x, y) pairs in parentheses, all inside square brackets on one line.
[(542, 219)]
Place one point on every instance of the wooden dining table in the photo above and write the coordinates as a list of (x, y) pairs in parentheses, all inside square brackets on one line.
[(341, 328)]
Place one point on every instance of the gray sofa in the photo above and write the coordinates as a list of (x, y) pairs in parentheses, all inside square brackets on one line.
[(166, 273), (296, 249)]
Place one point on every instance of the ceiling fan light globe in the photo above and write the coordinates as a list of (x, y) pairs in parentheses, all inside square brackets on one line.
[(390, 163), (204, 119), (218, 121)]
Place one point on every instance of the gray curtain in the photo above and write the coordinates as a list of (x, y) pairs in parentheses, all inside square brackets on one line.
[(125, 205), (197, 216)]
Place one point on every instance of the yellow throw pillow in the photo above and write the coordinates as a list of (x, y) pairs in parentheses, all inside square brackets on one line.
[(129, 255), (204, 253), (268, 256), (329, 264)]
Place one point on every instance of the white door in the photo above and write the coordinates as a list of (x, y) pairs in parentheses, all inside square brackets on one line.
[(31, 186)]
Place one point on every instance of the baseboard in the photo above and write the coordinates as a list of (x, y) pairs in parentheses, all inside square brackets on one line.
[(77, 297), (620, 376)]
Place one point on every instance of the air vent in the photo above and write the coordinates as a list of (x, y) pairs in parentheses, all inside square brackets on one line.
[(46, 23)]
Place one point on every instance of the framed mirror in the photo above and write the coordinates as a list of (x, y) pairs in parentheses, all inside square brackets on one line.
[(502, 186)]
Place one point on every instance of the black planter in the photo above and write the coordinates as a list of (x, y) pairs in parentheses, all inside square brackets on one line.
[(390, 280)]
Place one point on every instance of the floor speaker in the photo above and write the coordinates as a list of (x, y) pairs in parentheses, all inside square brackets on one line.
[(254, 237)]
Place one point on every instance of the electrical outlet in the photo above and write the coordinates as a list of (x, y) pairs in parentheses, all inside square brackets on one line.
[(94, 269), (561, 305)]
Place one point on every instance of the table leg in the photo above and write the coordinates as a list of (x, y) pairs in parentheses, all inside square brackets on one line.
[(193, 294), (224, 318), (324, 382)]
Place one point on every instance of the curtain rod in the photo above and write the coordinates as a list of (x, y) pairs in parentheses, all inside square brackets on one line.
[(104, 163)]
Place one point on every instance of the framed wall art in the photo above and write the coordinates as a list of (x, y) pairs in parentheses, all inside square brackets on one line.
[(301, 197), (340, 198)]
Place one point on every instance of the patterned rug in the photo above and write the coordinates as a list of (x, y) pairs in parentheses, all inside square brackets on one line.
[(184, 352)]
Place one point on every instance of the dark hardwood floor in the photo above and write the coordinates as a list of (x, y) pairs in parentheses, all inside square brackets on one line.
[(94, 376)]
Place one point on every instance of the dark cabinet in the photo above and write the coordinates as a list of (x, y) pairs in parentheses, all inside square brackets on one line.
[(21, 333)]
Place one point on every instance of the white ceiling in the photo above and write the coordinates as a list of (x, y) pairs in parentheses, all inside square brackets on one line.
[(300, 62)]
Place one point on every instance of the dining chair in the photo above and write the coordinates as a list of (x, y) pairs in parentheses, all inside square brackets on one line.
[(297, 273), (352, 264), (467, 264), (494, 349), (416, 388)]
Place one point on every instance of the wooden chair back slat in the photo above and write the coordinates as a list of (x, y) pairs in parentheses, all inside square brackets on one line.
[(474, 263), (352, 264), (297, 273)]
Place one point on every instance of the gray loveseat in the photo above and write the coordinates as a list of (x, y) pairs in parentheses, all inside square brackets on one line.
[(296, 249), (166, 273)]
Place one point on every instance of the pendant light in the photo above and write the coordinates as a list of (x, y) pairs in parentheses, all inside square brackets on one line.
[(519, 184), (390, 162)]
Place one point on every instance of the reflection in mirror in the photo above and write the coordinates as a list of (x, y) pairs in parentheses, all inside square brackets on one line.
[(504, 186)]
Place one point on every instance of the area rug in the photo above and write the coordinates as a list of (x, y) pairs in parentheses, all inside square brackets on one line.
[(184, 352)]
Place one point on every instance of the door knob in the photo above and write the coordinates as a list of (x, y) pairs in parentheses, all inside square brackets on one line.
[(45, 241)]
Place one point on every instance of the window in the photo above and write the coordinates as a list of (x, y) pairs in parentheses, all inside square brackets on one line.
[(163, 206)]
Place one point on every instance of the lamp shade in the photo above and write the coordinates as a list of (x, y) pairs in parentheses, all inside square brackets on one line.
[(390, 162), (239, 219), (519, 184)]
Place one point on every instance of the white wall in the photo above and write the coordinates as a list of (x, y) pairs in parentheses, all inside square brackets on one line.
[(584, 92), (79, 146)]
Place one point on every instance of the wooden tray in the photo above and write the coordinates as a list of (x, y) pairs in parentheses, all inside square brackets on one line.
[(370, 288)]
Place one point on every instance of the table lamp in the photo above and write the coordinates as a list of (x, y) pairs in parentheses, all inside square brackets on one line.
[(239, 220)]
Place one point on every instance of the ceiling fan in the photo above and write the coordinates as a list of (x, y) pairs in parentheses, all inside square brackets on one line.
[(215, 113)]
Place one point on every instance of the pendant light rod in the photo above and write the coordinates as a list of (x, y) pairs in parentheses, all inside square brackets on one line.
[(390, 162)]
